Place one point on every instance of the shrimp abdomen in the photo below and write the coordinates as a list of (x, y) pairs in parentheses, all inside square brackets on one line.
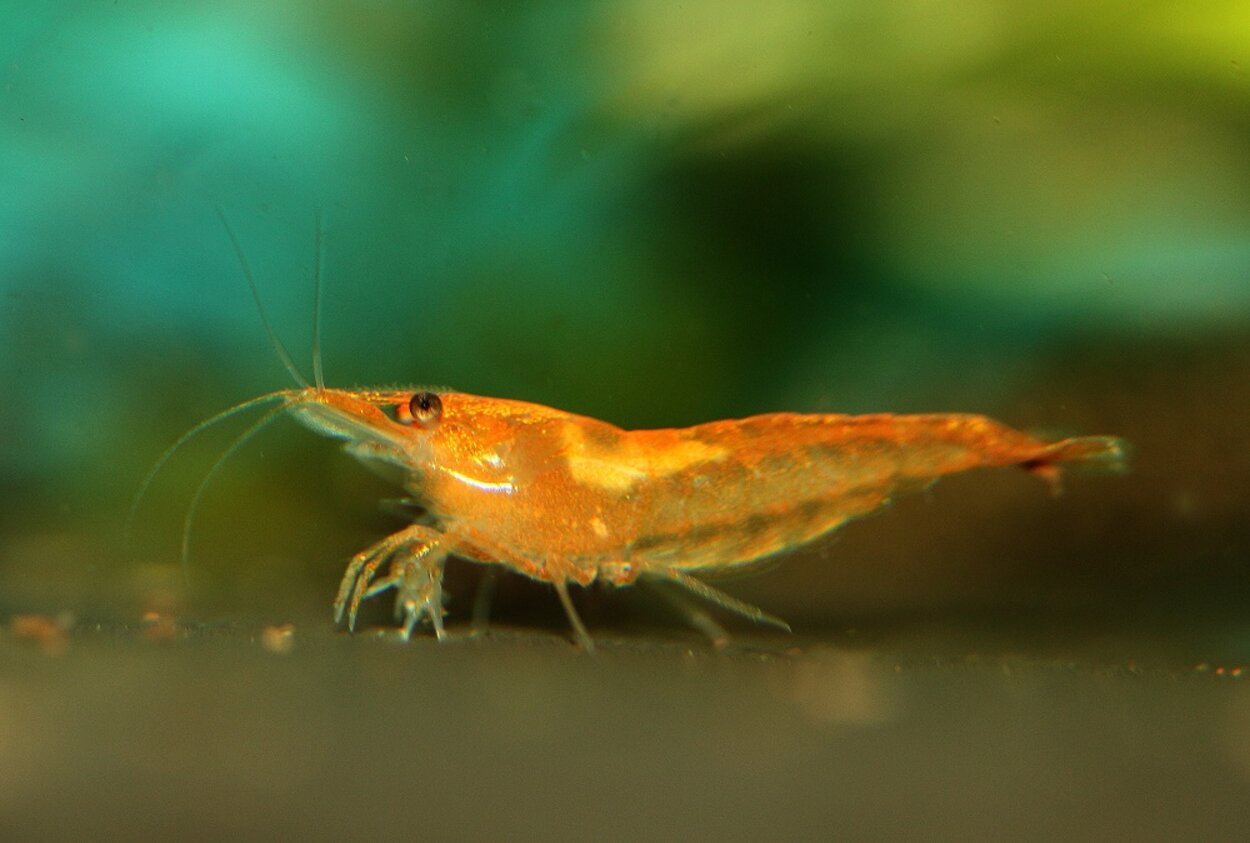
[(779, 481)]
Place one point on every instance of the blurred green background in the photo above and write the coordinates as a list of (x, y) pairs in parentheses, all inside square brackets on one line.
[(653, 213)]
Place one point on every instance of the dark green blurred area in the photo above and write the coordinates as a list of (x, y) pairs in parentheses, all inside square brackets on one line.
[(656, 214)]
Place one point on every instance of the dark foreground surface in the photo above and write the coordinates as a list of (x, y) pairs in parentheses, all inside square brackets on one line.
[(920, 731)]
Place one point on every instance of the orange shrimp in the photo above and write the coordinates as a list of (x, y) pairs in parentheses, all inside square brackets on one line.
[(563, 498)]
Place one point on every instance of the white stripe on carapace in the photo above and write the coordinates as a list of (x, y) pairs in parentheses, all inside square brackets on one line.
[(505, 487)]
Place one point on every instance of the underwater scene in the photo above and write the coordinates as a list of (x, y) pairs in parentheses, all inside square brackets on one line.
[(468, 251)]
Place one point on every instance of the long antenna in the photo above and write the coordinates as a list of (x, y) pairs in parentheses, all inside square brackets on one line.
[(318, 376), (278, 347), (128, 530), (238, 443)]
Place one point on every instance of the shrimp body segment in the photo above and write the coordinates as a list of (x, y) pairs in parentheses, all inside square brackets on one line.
[(564, 498)]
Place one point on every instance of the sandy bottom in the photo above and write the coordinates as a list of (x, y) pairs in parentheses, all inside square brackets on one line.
[(171, 728)]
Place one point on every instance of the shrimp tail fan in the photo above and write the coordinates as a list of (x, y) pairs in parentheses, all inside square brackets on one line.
[(1098, 453)]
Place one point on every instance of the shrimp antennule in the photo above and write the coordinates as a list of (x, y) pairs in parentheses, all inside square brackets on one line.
[(238, 443), (318, 375), (145, 484), (278, 347)]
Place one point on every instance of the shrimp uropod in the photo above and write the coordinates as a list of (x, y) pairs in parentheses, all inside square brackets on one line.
[(564, 498)]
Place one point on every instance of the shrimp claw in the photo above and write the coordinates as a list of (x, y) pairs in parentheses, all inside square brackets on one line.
[(416, 556), (416, 574)]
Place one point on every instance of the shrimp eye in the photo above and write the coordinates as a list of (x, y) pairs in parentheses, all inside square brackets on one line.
[(425, 409)]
